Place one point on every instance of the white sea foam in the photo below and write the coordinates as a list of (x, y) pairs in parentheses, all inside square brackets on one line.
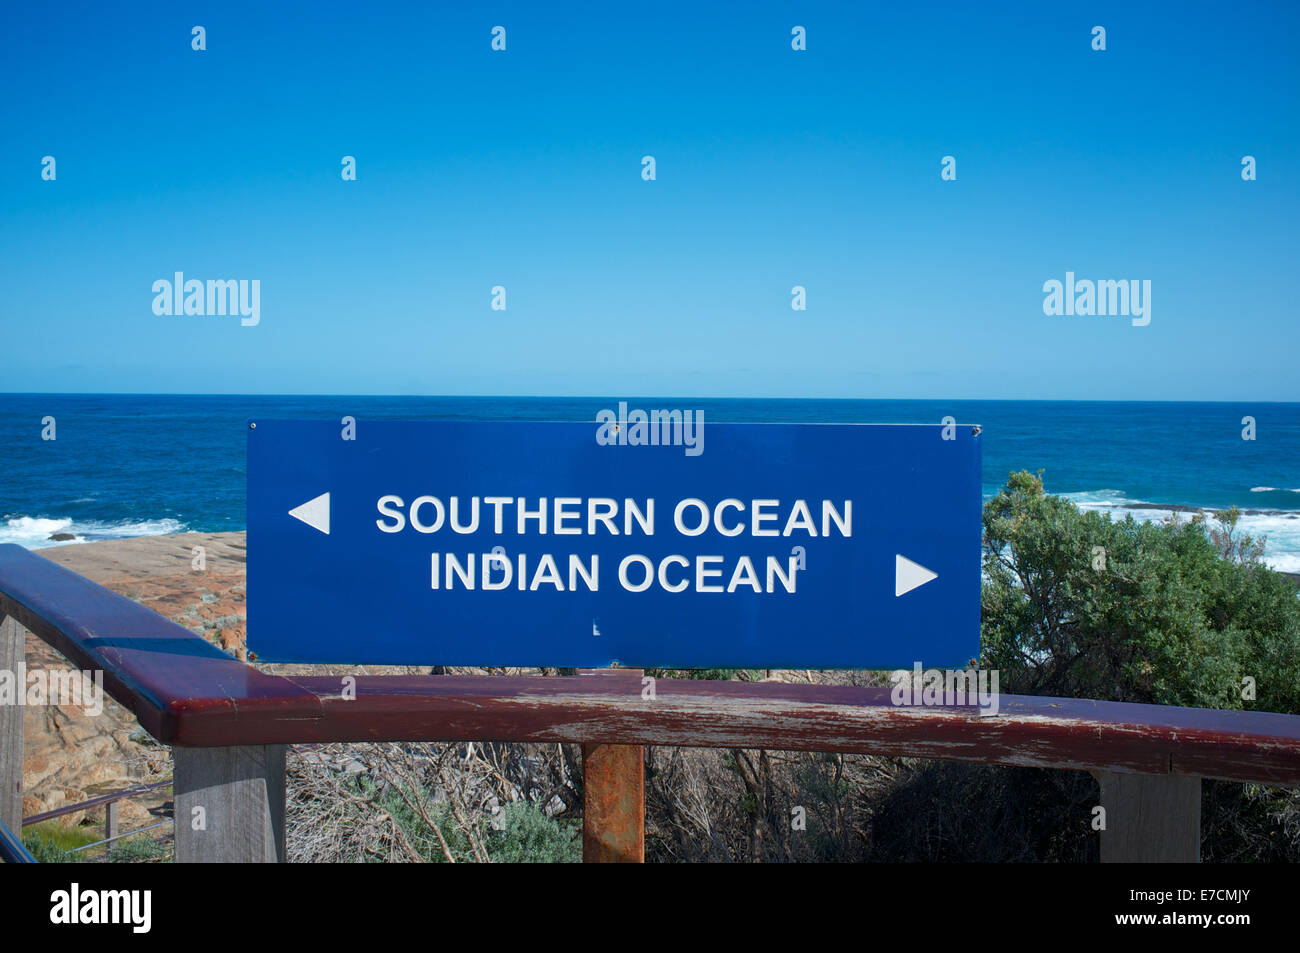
[(1098, 499), (1280, 529), (26, 530), (34, 532)]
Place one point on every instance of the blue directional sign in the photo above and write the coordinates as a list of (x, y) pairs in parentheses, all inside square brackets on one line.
[(643, 541)]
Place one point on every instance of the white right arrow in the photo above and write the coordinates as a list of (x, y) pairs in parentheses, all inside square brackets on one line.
[(908, 575), (315, 513)]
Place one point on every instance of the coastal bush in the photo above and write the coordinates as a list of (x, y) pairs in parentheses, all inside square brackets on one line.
[(522, 834), (44, 849), (1077, 604), (709, 674), (527, 835), (950, 812), (50, 840), (138, 850), (427, 826), (432, 802)]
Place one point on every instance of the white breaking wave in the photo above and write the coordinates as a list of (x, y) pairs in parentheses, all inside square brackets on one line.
[(34, 532), (1097, 499), (1280, 529)]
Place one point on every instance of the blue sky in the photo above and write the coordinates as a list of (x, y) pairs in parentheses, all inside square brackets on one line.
[(775, 168)]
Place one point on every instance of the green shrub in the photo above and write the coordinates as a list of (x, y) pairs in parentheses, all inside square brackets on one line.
[(709, 674), (1079, 605), (137, 850), (528, 835), (419, 833), (45, 850), (49, 841)]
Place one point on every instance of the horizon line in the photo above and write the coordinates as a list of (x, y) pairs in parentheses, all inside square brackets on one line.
[(988, 400)]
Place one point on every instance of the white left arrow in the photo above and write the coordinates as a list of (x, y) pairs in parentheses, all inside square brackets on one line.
[(315, 513)]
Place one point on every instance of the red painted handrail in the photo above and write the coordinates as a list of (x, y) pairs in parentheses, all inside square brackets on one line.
[(187, 692)]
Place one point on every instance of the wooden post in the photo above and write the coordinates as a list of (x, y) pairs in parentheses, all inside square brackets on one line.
[(110, 821), (229, 804), (613, 793), (12, 653), (1150, 818)]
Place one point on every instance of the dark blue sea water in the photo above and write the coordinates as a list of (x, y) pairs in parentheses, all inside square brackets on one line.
[(146, 464)]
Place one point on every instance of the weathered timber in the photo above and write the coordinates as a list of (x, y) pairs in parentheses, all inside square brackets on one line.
[(13, 641), (229, 805), (1150, 819)]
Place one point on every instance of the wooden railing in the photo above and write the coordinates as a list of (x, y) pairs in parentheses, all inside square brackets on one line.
[(228, 724)]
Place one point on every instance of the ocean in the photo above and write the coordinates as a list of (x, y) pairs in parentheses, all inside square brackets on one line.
[(143, 465)]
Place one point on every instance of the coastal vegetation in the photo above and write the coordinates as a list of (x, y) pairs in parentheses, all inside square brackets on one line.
[(1077, 604), (1184, 612)]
